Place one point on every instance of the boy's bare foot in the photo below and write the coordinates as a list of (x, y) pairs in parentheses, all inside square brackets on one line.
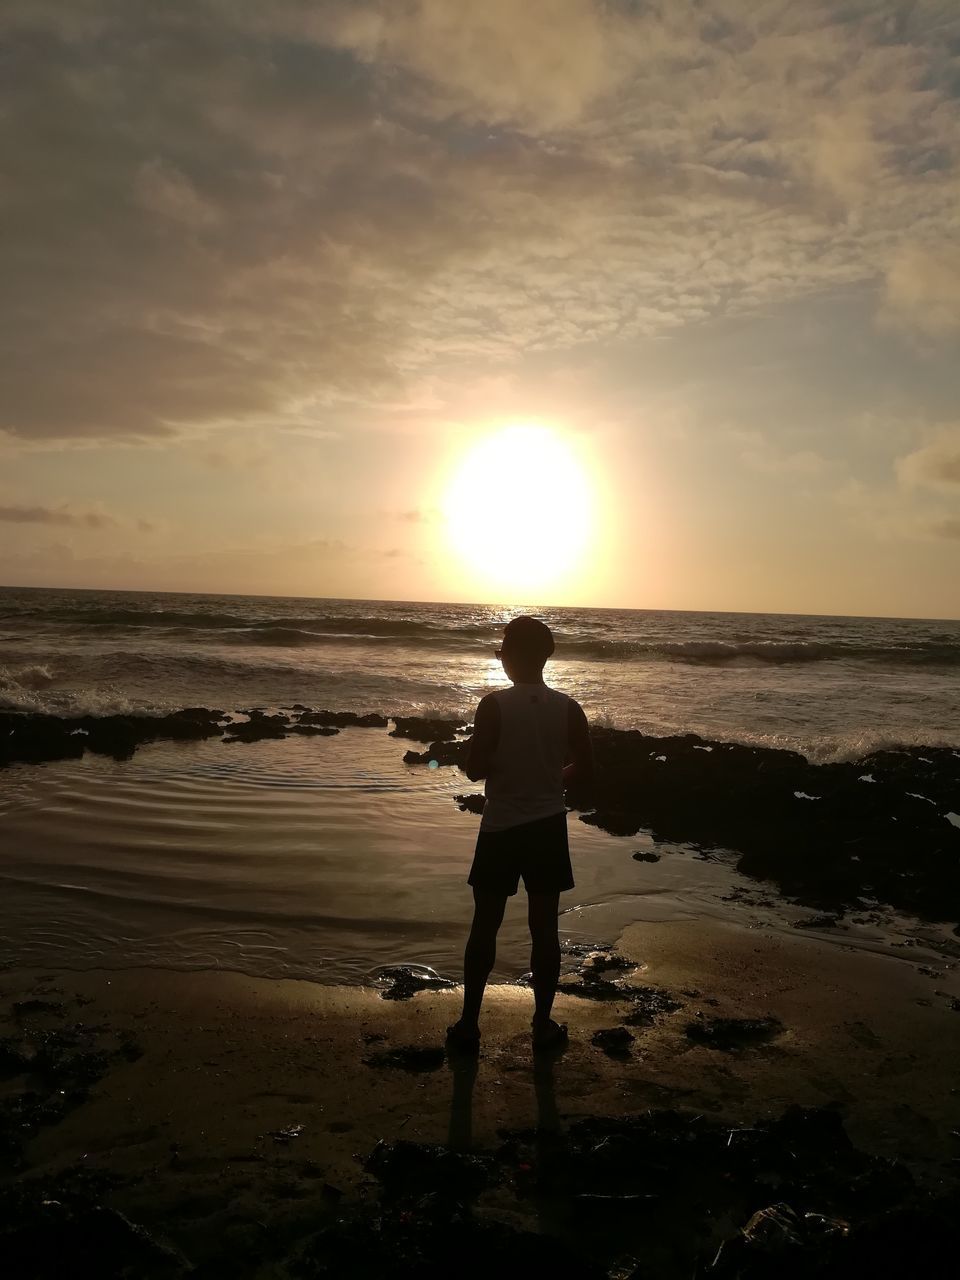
[(464, 1036), (548, 1034)]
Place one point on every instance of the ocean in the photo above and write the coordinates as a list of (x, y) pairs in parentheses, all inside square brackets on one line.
[(328, 858), (830, 687)]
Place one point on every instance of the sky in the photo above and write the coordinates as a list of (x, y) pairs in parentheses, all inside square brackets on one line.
[(273, 271)]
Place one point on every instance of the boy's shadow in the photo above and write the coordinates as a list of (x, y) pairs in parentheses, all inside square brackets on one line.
[(464, 1069)]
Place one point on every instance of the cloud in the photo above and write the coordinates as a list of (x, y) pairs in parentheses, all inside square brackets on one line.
[(539, 64), (760, 454), (936, 464), (62, 515), (923, 289), (417, 515), (223, 213), (318, 566), (886, 514)]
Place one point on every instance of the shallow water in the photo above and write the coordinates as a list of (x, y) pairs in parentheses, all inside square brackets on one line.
[(319, 858)]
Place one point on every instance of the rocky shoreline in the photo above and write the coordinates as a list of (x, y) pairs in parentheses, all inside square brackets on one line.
[(835, 836), (885, 828)]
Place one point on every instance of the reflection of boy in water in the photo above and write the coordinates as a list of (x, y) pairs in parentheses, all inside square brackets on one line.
[(527, 743)]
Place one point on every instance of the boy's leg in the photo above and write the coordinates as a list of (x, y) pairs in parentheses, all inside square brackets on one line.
[(480, 954), (542, 913)]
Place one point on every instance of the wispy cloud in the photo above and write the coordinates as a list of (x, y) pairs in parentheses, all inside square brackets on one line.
[(761, 454), (936, 463), (417, 515), (68, 516), (923, 289), (269, 566)]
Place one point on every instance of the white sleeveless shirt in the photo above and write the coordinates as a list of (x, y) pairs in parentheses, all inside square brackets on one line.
[(525, 779)]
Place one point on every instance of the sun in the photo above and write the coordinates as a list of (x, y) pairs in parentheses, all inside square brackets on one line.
[(518, 512)]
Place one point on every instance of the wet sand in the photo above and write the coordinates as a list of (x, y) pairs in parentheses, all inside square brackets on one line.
[(230, 1106)]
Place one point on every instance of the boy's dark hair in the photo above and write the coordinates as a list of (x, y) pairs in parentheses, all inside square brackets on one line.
[(529, 638)]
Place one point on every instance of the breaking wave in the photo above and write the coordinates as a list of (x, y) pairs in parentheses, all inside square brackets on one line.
[(584, 642)]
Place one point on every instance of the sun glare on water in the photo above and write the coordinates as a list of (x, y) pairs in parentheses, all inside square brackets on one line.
[(518, 513)]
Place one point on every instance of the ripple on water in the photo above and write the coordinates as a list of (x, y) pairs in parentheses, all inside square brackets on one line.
[(317, 859)]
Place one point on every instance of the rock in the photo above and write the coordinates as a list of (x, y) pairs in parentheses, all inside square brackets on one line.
[(402, 981), (28, 738), (258, 727), (444, 753), (286, 1135), (825, 854), (470, 803), (411, 1169), (614, 1041), (729, 1034), (425, 730), (45, 1238), (817, 922), (13, 1061), (24, 1008), (420, 1241), (593, 983), (643, 856), (649, 1004), (343, 719)]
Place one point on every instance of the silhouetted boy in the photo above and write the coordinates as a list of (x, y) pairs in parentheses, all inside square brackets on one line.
[(527, 743)]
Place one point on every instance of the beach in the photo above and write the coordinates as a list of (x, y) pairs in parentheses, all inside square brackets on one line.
[(232, 937), (235, 1118)]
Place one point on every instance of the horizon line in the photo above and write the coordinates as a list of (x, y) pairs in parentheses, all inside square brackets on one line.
[(487, 604)]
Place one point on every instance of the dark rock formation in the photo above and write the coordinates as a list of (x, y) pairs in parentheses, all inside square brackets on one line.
[(44, 1237), (401, 981), (614, 1041), (829, 834), (343, 719), (409, 1057), (424, 730), (471, 803), (33, 739), (50, 1070), (445, 753), (730, 1034), (258, 727), (649, 1004), (593, 982)]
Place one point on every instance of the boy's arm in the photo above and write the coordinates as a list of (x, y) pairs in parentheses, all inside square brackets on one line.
[(579, 750), (486, 735)]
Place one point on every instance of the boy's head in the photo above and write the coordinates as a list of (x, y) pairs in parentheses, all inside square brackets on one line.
[(527, 644)]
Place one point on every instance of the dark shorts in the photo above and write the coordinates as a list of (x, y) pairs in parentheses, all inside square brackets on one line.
[(537, 851)]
